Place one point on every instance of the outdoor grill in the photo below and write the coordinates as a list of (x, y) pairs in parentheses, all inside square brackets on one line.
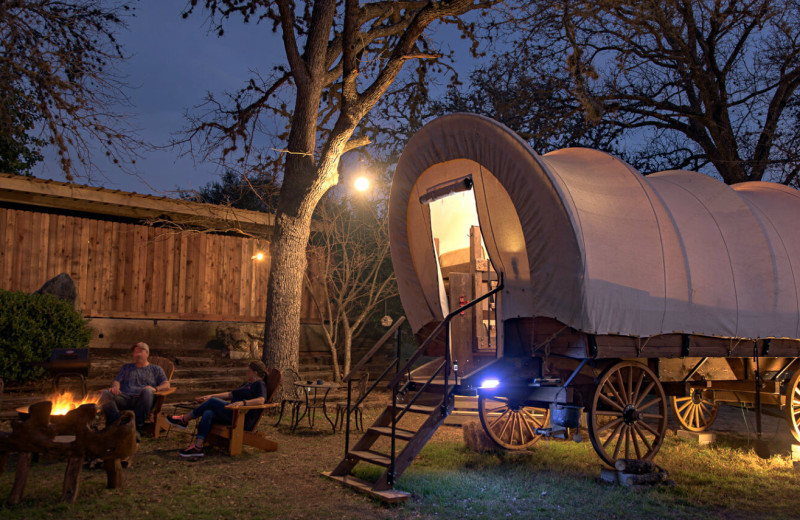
[(68, 363)]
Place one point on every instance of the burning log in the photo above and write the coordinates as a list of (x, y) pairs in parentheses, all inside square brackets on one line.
[(37, 434)]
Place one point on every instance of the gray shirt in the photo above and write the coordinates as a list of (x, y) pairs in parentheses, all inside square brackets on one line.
[(133, 379)]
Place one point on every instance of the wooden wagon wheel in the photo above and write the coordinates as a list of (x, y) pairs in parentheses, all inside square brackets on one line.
[(694, 413), (793, 405), (625, 420), (509, 422)]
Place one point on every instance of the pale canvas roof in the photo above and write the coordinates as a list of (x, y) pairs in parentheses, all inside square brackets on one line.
[(584, 238)]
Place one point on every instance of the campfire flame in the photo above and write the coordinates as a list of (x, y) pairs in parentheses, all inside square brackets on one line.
[(65, 402)]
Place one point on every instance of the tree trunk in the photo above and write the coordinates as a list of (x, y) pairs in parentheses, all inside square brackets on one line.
[(288, 265)]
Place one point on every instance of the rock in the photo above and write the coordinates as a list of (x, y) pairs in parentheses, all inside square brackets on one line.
[(62, 287), (242, 341)]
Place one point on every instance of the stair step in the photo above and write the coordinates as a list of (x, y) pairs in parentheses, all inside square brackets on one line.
[(374, 457), (418, 408), (195, 361), (405, 435), (390, 496)]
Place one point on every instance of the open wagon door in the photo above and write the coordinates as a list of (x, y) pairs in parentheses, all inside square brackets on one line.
[(465, 272)]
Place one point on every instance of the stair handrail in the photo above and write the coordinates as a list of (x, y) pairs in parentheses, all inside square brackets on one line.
[(400, 373), (375, 348), (438, 329)]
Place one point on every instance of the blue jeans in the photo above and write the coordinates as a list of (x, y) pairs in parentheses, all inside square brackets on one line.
[(140, 404), (211, 412)]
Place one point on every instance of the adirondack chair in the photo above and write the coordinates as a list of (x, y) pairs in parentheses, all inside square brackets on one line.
[(157, 421), (233, 436)]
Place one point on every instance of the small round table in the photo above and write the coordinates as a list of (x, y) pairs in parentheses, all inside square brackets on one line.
[(312, 391)]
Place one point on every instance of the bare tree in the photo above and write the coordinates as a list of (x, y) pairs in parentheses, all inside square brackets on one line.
[(57, 80), (354, 268), (695, 84), (341, 58)]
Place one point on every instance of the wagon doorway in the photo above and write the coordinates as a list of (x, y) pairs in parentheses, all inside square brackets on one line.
[(465, 272)]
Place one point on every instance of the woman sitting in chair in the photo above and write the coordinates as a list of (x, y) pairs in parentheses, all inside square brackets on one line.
[(216, 408)]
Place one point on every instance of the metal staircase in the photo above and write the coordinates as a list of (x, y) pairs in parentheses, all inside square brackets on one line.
[(430, 396)]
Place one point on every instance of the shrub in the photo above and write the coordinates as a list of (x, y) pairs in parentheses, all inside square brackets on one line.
[(31, 325)]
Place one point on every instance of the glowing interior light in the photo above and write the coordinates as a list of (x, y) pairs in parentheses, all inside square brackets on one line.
[(258, 256), (362, 184), (490, 383)]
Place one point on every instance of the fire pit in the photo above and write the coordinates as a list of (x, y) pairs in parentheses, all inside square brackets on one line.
[(62, 404), (40, 431)]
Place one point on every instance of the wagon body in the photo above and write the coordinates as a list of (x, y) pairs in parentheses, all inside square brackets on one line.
[(596, 266)]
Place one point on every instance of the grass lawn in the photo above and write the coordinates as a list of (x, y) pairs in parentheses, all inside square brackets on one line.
[(555, 479)]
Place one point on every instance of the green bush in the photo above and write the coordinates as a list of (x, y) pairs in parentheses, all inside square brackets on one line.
[(31, 325)]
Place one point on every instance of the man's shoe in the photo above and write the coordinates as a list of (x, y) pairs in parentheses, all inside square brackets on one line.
[(191, 451), (177, 421)]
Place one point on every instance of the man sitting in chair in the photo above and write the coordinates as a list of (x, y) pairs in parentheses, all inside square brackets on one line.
[(134, 388), (216, 408)]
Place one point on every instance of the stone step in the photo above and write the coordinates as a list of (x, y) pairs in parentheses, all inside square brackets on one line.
[(194, 361)]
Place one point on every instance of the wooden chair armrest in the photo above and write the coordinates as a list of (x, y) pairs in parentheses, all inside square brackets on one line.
[(168, 391), (253, 406)]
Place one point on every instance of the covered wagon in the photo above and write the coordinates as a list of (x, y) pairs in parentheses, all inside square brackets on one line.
[(569, 282), (600, 289)]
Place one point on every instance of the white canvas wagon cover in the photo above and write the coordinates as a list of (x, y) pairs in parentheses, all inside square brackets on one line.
[(582, 237)]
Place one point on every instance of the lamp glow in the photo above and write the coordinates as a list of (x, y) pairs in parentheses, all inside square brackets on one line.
[(362, 184), (490, 383), (258, 256)]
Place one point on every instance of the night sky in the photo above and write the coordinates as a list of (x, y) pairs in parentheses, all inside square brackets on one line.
[(172, 64)]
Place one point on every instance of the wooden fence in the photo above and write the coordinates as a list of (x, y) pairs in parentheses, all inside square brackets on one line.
[(128, 270)]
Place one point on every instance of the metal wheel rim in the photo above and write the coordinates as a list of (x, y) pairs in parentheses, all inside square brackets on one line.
[(510, 426), (694, 413), (793, 405), (624, 420)]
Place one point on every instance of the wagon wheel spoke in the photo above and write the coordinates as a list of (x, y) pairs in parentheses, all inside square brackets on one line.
[(614, 434), (515, 426), (649, 404), (639, 383), (637, 429), (608, 425), (635, 442), (612, 387), (532, 418), (648, 428), (644, 393), (687, 401), (494, 422), (610, 402), (619, 444), (622, 394), (505, 425), (610, 413), (627, 442)]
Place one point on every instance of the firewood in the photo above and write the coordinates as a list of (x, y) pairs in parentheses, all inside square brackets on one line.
[(476, 439), (631, 479), (635, 466)]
